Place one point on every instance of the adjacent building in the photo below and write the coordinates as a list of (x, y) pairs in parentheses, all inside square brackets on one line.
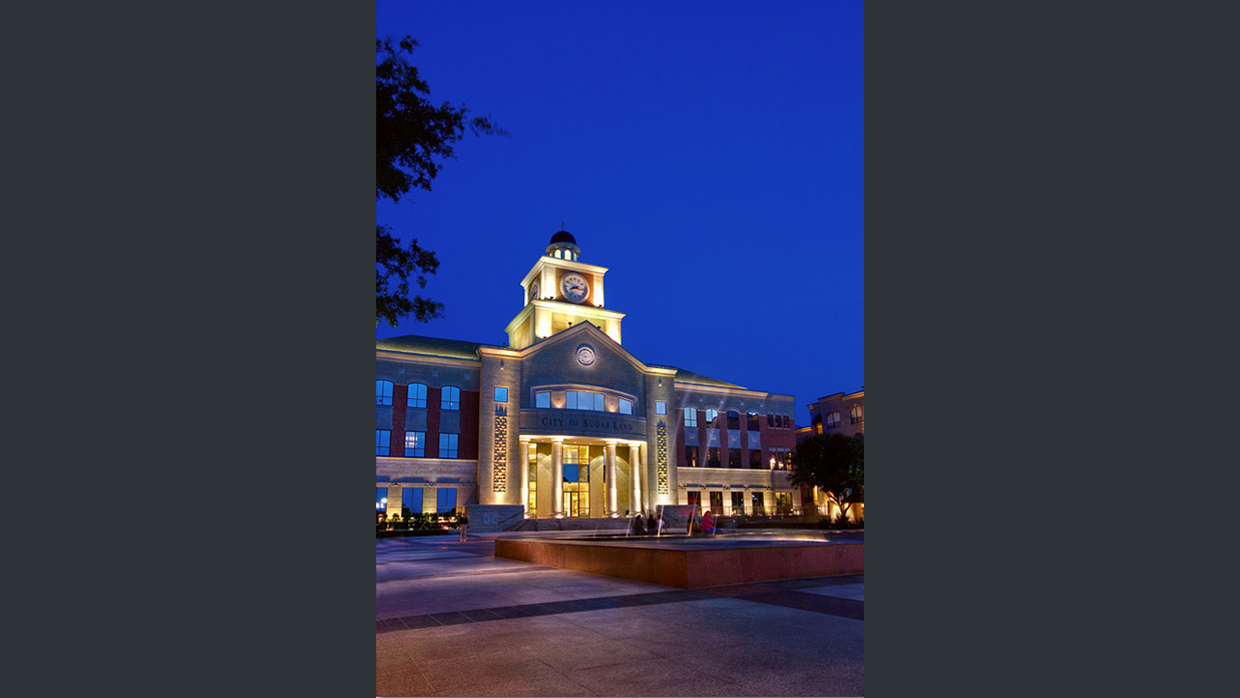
[(839, 413), (563, 421)]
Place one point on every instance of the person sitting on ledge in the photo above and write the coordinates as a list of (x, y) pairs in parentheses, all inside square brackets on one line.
[(639, 528), (708, 522)]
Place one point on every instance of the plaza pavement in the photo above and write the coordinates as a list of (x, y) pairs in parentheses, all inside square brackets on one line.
[(454, 620)]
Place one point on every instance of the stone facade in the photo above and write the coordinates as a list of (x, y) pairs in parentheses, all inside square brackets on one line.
[(564, 421)]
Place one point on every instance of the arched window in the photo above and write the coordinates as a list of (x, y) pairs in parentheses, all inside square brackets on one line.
[(417, 395), (383, 392), (712, 419), (734, 419), (855, 416), (833, 420), (451, 399)]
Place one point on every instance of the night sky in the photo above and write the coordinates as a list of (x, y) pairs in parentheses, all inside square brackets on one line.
[(709, 154)]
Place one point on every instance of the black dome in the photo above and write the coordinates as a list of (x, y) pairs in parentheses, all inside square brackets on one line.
[(563, 236)]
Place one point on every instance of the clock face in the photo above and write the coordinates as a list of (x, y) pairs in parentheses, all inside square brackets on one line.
[(534, 291), (575, 287)]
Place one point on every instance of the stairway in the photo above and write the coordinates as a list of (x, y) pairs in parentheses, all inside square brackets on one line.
[(570, 524)]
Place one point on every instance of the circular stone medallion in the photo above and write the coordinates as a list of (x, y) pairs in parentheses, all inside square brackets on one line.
[(585, 355)]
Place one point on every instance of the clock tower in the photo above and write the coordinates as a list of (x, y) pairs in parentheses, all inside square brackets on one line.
[(559, 292)]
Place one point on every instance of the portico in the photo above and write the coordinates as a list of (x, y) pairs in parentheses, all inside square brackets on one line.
[(579, 476)]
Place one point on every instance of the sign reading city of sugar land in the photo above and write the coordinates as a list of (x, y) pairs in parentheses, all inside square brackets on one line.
[(578, 423)]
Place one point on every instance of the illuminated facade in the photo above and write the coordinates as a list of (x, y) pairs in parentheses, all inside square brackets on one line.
[(565, 422)]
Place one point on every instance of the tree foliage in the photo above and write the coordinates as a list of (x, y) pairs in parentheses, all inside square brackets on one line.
[(412, 139), (833, 463)]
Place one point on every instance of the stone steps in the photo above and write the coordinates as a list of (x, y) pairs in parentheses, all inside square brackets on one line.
[(571, 524)]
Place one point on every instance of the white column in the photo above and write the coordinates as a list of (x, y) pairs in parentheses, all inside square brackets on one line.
[(523, 490), (557, 478), (611, 480), (635, 466)]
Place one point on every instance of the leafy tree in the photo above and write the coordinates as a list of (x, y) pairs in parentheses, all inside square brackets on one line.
[(833, 463), (412, 138)]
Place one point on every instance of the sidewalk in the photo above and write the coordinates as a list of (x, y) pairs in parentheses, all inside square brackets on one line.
[(454, 620)]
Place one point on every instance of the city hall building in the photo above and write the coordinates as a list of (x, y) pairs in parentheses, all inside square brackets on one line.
[(565, 422)]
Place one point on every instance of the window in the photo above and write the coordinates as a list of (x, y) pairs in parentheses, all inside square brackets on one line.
[(447, 445), (415, 444), (626, 406), (691, 456), (383, 441), (854, 415), (501, 394), (712, 457), (833, 420), (734, 458), (738, 503), (411, 500), (751, 421), (691, 417), (383, 392), (380, 498), (759, 507), (417, 395), (660, 407), (770, 421), (451, 399), (734, 419), (446, 500), (542, 399), (755, 459), (581, 400), (712, 419)]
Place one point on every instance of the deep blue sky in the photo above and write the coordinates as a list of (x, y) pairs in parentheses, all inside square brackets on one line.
[(709, 154)]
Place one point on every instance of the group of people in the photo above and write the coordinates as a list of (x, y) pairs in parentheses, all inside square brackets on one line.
[(654, 524), (641, 527)]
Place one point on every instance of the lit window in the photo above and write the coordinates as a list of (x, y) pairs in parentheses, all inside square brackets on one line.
[(690, 417), (417, 395), (626, 406), (451, 399), (501, 394), (660, 407), (415, 444), (581, 400), (383, 442), (447, 445), (542, 399), (712, 418), (383, 392)]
